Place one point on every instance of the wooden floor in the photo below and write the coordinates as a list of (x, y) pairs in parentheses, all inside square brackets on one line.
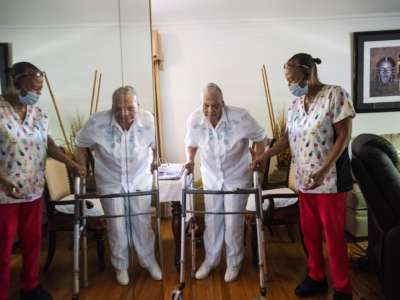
[(286, 267)]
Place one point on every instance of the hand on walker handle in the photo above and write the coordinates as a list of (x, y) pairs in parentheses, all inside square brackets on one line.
[(154, 165), (78, 169), (255, 160), (189, 166)]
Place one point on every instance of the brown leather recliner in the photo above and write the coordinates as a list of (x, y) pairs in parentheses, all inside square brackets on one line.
[(375, 165)]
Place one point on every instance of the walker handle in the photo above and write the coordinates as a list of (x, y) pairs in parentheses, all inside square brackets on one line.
[(187, 177), (155, 177), (256, 179), (77, 185), (80, 188)]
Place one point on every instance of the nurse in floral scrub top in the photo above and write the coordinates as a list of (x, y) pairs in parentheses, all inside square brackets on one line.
[(318, 132), (24, 146)]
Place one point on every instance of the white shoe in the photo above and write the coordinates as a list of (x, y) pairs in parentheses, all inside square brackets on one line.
[(155, 271), (203, 271), (232, 273), (122, 277)]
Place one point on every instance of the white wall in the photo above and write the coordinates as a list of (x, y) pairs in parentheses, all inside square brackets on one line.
[(71, 53), (232, 53)]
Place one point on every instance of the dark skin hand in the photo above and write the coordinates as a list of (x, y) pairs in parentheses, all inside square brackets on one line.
[(281, 145), (343, 134), (55, 152), (10, 189), (155, 163), (189, 165)]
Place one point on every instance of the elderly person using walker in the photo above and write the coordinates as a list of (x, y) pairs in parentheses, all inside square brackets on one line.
[(123, 140), (221, 134)]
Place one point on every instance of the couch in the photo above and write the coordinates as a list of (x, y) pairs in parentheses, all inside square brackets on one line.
[(357, 213), (375, 165)]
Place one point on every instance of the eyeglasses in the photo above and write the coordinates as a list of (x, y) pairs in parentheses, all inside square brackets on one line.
[(37, 74), (287, 66)]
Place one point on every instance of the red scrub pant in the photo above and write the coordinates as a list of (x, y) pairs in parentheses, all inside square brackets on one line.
[(326, 214), (26, 219)]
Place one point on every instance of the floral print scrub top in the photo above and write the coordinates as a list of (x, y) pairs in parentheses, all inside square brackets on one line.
[(23, 151), (312, 135)]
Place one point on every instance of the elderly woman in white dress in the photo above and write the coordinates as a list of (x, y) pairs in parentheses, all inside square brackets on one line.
[(221, 134)]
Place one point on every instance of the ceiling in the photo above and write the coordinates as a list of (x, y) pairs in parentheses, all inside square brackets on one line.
[(186, 10), (42, 12)]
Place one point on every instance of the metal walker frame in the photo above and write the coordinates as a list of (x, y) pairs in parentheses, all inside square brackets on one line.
[(80, 225), (256, 190)]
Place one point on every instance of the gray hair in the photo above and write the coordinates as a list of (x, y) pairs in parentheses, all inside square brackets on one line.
[(213, 87), (123, 91)]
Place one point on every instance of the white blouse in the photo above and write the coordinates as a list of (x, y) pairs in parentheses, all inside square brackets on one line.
[(224, 150), (122, 158)]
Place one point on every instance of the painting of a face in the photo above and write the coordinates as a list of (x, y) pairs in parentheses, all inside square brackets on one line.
[(386, 70), (376, 71), (384, 81)]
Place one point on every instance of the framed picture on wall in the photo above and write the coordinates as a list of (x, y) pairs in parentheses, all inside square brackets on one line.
[(376, 71)]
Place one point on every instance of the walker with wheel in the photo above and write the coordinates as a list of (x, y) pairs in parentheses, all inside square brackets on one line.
[(188, 189), (80, 225)]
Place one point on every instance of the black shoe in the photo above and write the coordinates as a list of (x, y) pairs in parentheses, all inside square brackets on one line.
[(341, 296), (38, 293), (311, 287)]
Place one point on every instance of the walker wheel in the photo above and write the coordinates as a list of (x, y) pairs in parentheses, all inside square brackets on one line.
[(177, 295)]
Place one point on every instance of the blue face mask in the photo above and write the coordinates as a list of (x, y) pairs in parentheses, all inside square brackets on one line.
[(29, 99), (297, 90)]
